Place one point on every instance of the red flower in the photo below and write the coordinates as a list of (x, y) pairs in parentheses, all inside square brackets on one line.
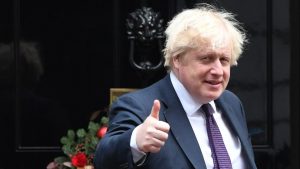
[(101, 132), (79, 160)]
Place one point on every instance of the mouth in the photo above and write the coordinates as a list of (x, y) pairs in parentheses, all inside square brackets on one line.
[(214, 83)]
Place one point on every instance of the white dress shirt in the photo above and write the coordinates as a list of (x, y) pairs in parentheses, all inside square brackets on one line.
[(197, 121)]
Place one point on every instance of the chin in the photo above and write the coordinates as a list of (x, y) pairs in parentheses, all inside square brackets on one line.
[(206, 95), (213, 96)]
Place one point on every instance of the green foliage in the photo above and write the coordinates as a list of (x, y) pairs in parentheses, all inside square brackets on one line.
[(82, 140), (81, 133), (104, 120), (78, 142)]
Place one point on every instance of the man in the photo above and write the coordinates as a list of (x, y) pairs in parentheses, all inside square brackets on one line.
[(165, 126)]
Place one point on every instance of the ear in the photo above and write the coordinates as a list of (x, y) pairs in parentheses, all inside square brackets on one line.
[(176, 61)]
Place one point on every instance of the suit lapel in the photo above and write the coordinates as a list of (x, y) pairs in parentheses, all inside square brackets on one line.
[(180, 126), (183, 133), (237, 127)]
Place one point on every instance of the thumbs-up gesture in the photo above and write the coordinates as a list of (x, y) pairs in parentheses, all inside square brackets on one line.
[(152, 133)]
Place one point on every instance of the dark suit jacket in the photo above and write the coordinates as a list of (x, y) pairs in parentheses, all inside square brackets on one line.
[(181, 150)]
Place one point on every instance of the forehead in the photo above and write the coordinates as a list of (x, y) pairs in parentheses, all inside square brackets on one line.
[(218, 49), (209, 51), (221, 44), (220, 41)]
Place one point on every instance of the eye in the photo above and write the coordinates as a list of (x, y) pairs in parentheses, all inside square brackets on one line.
[(205, 58), (225, 60)]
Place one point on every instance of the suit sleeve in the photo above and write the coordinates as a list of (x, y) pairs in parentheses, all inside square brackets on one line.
[(114, 151)]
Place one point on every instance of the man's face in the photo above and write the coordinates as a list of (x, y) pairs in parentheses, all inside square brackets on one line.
[(205, 71)]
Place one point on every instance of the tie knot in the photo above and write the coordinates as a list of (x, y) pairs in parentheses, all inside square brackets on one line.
[(207, 109)]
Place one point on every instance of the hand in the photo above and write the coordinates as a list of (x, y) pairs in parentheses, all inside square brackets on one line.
[(152, 133)]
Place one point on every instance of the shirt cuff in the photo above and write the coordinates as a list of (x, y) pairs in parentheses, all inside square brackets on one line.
[(137, 155)]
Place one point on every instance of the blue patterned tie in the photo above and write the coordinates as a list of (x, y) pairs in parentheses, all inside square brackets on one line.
[(219, 153)]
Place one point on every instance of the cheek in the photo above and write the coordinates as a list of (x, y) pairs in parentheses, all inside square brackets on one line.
[(226, 76), (227, 73)]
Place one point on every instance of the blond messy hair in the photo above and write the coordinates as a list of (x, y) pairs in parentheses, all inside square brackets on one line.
[(192, 27)]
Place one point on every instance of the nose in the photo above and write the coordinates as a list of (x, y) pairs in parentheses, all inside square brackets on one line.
[(217, 68)]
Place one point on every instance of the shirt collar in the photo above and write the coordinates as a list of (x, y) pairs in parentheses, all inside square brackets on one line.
[(190, 105)]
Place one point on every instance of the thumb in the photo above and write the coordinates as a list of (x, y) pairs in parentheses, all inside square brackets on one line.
[(155, 109)]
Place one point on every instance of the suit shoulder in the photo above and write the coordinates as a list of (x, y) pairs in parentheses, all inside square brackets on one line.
[(228, 95), (230, 99)]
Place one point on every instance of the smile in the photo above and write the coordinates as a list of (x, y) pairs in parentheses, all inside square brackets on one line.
[(214, 82)]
